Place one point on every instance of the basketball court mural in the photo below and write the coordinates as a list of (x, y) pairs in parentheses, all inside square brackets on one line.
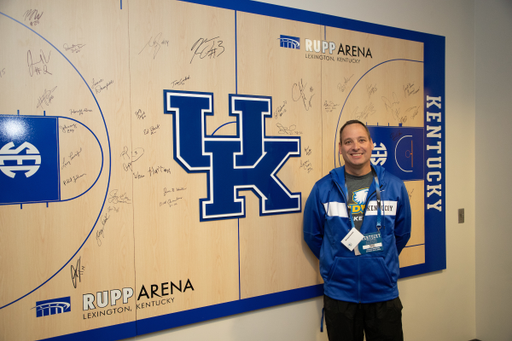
[(156, 156)]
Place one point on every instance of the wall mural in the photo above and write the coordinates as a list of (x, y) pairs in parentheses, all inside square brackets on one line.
[(156, 156)]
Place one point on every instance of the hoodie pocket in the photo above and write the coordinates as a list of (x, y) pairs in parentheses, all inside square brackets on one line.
[(375, 275), (344, 273)]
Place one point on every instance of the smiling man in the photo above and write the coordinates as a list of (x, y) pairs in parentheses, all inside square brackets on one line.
[(358, 247), (356, 148)]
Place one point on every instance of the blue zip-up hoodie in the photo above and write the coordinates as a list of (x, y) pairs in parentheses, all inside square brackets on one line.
[(367, 278)]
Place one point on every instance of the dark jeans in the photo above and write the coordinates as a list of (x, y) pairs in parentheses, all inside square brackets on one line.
[(346, 321)]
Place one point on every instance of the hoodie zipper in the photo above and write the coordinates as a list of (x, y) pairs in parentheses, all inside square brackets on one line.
[(369, 196)]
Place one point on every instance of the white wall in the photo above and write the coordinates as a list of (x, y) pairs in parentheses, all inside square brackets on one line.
[(438, 306), (493, 51)]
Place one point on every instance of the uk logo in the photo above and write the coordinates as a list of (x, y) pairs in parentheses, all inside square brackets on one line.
[(247, 161)]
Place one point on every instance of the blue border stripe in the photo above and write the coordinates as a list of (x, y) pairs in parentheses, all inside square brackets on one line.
[(276, 11), (435, 221), (163, 322), (115, 332), (174, 320)]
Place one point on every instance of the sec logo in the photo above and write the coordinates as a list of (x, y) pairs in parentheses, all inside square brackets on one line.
[(24, 159)]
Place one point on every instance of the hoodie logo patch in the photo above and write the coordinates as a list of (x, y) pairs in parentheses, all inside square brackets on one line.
[(359, 199)]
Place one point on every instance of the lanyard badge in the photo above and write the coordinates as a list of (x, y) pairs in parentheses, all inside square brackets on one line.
[(371, 242)]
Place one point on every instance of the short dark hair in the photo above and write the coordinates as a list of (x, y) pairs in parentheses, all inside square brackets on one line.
[(355, 122)]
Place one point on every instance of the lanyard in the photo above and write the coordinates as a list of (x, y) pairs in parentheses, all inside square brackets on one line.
[(379, 212), (377, 190)]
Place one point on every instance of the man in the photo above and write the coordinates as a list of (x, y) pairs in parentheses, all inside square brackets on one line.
[(357, 220)]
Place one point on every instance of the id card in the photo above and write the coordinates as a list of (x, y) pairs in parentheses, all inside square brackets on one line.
[(372, 242), (352, 238)]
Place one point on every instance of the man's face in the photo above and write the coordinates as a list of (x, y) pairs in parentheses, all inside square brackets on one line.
[(356, 148)]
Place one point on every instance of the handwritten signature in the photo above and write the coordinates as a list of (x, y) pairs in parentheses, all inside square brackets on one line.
[(80, 112), (308, 151), (72, 155), (205, 47), (65, 163), (75, 154), (299, 92), (306, 165), (73, 179), (393, 107), (140, 114), (155, 44), (40, 66), (158, 170), (280, 110), (113, 209), (410, 89), (343, 87), (395, 136), (75, 48), (33, 16), (99, 87), (291, 130), (180, 82), (68, 128), (371, 89), (171, 202), (46, 98), (329, 106), (414, 110), (135, 155), (132, 157), (101, 232), (77, 272), (166, 191), (367, 111), (116, 198), (410, 193), (152, 130)]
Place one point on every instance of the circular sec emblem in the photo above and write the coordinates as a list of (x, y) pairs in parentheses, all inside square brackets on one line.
[(24, 159)]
